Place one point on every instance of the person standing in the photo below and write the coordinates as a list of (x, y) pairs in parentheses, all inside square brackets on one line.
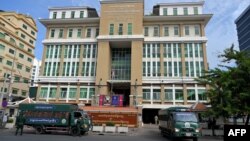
[(156, 119), (20, 123), (5, 119)]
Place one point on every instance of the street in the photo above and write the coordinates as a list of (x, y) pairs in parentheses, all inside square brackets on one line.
[(147, 133)]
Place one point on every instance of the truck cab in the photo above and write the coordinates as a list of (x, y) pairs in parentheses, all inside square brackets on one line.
[(179, 122)]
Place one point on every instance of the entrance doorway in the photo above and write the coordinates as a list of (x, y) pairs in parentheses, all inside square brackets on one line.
[(125, 93), (148, 115)]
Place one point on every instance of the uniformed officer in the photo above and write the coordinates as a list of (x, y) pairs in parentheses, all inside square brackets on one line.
[(19, 123), (78, 126)]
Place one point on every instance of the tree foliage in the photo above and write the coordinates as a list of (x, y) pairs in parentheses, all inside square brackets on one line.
[(229, 92)]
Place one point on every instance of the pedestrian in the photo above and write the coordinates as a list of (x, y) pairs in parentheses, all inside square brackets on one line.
[(5, 119), (156, 119), (20, 123)]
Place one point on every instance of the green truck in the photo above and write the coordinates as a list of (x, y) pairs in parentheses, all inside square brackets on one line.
[(46, 118), (179, 122)]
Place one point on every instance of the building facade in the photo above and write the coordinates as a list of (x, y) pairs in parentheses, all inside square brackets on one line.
[(149, 60), (243, 28), (35, 72), (17, 43)]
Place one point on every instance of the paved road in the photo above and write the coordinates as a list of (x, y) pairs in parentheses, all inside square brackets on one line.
[(147, 133)]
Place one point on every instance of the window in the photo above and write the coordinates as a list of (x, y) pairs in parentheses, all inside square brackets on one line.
[(63, 93), (97, 32), (9, 63), (120, 31), (52, 33), (63, 15), (79, 33), (202, 94), (83, 92), (88, 33), (165, 11), (195, 10), (156, 31), (21, 45), (168, 94), (23, 36), (11, 51), (156, 94), (31, 42), (60, 33), (179, 94), (191, 94), (130, 28), (19, 66), (166, 31), (29, 59), (43, 92), (24, 26), (72, 14), (72, 93), (145, 31), (81, 14), (176, 30), (111, 29), (29, 50), (197, 30), (185, 11), (15, 91), (27, 69), (70, 33), (33, 33), (54, 15), (1, 60), (21, 55), (2, 47), (175, 11), (24, 93), (25, 80), (186, 30), (2, 36), (146, 94), (17, 79)]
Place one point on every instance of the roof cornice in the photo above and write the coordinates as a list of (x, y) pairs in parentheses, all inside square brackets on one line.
[(46, 22), (120, 1)]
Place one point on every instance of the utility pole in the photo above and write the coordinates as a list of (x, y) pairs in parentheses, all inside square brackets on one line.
[(11, 72)]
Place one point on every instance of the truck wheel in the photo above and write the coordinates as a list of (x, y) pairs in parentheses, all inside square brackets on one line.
[(83, 132), (39, 130), (74, 131), (195, 139)]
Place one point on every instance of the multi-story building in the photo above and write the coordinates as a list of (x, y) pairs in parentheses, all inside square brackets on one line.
[(35, 72), (149, 60), (243, 28), (17, 43)]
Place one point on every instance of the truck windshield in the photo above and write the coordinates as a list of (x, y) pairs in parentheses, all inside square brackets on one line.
[(185, 116)]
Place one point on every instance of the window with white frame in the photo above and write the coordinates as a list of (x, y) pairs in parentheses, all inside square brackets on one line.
[(202, 96), (52, 92), (191, 94), (72, 93), (146, 94), (168, 94), (43, 92), (179, 94), (63, 93), (156, 31), (156, 94)]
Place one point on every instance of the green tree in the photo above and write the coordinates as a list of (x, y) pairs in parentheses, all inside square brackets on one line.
[(229, 92)]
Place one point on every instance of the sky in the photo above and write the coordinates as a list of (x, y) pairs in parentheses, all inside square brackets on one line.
[(220, 31)]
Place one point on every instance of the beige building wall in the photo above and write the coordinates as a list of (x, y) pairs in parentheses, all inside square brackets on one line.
[(18, 33)]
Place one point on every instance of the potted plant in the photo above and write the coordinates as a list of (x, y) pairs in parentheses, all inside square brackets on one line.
[(123, 128), (97, 127), (110, 127), (10, 123)]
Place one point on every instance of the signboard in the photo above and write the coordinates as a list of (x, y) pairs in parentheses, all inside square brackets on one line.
[(117, 118), (4, 103), (117, 100), (104, 100)]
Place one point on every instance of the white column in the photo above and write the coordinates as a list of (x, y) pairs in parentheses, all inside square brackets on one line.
[(173, 91)]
